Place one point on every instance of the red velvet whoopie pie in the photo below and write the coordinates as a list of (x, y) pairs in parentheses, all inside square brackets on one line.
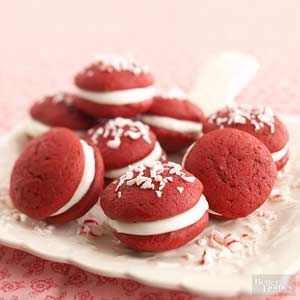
[(124, 142), (114, 86), (57, 110), (155, 207), (236, 169), (257, 121), (57, 178), (176, 121)]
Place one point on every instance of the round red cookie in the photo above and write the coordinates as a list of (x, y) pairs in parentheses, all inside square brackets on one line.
[(236, 169), (259, 122), (56, 111), (155, 207), (176, 121), (123, 142), (114, 86), (57, 177)]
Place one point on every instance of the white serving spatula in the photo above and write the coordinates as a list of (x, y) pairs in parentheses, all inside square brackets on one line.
[(222, 78)]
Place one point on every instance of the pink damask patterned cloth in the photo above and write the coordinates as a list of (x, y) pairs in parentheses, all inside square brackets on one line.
[(44, 42)]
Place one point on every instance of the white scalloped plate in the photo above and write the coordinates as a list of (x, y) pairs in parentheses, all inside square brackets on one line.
[(273, 249)]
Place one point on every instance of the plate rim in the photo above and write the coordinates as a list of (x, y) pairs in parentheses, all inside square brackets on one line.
[(234, 290)]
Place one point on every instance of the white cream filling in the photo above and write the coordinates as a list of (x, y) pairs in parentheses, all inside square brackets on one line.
[(86, 180), (153, 156), (119, 97), (35, 128), (277, 156), (177, 222), (186, 155), (183, 126)]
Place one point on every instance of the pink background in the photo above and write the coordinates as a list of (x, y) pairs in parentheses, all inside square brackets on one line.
[(42, 44)]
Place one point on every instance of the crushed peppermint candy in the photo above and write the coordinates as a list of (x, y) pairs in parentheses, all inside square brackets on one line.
[(216, 245), (157, 179), (44, 229), (225, 252), (255, 228), (117, 128), (258, 117), (276, 195), (219, 240), (172, 93), (233, 243), (208, 256), (12, 215), (267, 217), (90, 228), (158, 193), (180, 189), (217, 236), (201, 242), (58, 98), (110, 63)]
